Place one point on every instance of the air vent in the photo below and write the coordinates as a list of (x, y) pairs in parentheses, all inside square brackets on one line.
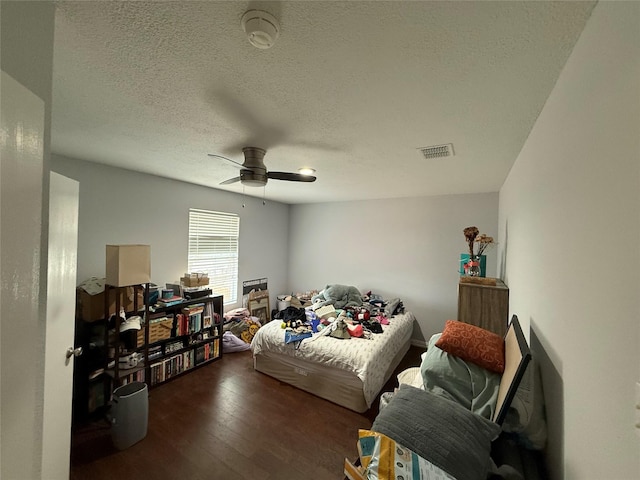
[(437, 151)]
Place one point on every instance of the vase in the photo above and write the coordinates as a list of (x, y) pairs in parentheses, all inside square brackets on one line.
[(473, 269), (463, 269)]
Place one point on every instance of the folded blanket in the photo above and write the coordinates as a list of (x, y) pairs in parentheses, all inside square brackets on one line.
[(439, 430)]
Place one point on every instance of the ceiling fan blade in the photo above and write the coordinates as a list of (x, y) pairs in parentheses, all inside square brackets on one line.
[(292, 177), (225, 158), (231, 180)]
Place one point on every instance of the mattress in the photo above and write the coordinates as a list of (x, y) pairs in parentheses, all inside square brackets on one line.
[(350, 372)]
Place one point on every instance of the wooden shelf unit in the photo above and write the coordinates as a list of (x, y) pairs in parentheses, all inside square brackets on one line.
[(486, 306)]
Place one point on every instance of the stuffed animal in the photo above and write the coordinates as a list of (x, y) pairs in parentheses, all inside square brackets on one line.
[(339, 296)]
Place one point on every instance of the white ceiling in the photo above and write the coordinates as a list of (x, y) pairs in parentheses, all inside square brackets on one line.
[(352, 89)]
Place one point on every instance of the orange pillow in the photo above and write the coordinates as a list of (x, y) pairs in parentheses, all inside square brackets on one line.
[(473, 344)]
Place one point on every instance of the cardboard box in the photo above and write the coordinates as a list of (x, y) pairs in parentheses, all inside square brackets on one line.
[(128, 265), (195, 280), (91, 307)]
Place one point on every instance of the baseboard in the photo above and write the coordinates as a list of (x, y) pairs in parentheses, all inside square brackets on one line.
[(419, 343)]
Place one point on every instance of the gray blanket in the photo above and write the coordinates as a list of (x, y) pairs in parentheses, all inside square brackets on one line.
[(440, 431)]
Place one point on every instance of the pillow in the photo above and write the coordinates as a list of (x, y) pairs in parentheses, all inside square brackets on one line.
[(473, 344), (468, 384), (411, 376), (440, 431)]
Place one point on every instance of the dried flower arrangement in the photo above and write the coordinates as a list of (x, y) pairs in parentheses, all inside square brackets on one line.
[(470, 234), (473, 236), (483, 242)]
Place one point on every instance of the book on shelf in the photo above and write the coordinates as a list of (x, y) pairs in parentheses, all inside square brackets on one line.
[(199, 355), (168, 302), (133, 377), (170, 367), (193, 309), (187, 360), (182, 325), (195, 323)]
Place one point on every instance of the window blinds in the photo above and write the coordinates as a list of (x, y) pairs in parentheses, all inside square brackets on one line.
[(213, 249)]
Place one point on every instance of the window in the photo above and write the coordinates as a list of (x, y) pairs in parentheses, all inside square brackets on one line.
[(213, 248)]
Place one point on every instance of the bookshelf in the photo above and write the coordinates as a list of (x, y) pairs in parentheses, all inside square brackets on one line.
[(195, 338), (124, 345), (99, 370), (174, 339)]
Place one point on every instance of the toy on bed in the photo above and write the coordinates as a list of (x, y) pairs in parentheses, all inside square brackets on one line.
[(450, 409), (339, 296)]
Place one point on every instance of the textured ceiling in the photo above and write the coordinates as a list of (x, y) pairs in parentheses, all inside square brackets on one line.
[(352, 89)]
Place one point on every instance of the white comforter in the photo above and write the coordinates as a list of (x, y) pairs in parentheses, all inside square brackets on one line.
[(369, 360)]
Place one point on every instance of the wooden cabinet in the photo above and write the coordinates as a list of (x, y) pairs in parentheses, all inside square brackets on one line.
[(486, 306)]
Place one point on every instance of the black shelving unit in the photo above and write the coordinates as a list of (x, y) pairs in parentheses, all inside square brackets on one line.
[(193, 342), (177, 353), (122, 345), (94, 378)]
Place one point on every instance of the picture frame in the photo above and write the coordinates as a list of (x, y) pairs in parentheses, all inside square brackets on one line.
[(259, 306), (262, 313)]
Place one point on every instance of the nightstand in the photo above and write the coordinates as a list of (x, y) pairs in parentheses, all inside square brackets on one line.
[(486, 306)]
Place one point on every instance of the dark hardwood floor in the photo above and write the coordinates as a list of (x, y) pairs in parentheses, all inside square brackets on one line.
[(226, 421)]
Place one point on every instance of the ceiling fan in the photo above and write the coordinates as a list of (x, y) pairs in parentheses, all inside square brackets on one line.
[(254, 173)]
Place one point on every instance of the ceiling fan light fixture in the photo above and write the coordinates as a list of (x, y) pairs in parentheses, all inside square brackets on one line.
[(253, 179), (253, 171), (306, 171), (262, 28)]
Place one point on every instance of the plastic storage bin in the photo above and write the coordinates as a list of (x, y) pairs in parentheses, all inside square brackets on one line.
[(129, 414), (283, 302)]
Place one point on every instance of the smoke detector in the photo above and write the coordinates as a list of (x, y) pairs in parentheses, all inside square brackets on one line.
[(261, 27)]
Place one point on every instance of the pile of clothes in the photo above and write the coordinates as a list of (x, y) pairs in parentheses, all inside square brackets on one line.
[(339, 311), (238, 328)]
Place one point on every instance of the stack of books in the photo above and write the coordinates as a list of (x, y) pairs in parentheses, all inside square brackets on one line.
[(167, 302), (193, 315)]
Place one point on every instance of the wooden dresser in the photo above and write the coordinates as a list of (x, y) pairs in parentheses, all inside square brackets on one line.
[(486, 306)]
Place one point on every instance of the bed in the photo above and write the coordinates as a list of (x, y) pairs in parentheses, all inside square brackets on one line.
[(350, 372), (430, 417)]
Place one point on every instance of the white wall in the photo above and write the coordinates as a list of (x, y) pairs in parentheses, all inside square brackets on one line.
[(407, 248), (27, 56), (569, 234), (119, 206)]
